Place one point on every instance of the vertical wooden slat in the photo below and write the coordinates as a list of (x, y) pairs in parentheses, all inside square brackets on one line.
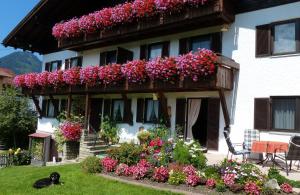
[(69, 107), (37, 106), (213, 119), (86, 110), (262, 113), (67, 64), (140, 110), (224, 109), (180, 112), (216, 42), (263, 40)]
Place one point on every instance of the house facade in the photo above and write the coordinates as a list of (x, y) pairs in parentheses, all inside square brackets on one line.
[(258, 89)]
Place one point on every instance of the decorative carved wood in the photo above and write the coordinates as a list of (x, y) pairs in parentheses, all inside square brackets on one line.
[(225, 109), (37, 105)]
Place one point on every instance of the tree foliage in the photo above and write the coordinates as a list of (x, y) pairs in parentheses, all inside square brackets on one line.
[(17, 119)]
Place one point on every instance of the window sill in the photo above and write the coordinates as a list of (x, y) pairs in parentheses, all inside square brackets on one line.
[(279, 55), (281, 132)]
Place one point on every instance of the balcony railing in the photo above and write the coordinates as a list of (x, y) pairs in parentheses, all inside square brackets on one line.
[(215, 12)]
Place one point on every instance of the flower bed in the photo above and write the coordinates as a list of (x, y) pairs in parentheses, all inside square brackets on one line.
[(195, 66), (121, 14)]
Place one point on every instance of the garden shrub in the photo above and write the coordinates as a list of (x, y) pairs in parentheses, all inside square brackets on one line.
[(268, 191), (144, 136), (220, 187), (127, 153), (273, 173), (91, 165), (160, 174), (109, 130), (176, 178), (21, 158), (212, 172), (109, 164), (181, 153), (161, 131)]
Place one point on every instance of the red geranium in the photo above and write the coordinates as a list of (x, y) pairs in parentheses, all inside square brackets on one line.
[(87, 23), (122, 13), (161, 174), (135, 71), (30, 80), (89, 75), (19, 81), (143, 8), (71, 28), (103, 18), (109, 164), (164, 69), (42, 79), (71, 130), (55, 78), (286, 188), (72, 76), (110, 74)]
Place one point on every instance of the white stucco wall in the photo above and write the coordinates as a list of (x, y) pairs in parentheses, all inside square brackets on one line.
[(258, 77)]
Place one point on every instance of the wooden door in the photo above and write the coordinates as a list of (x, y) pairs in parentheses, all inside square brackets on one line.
[(213, 117), (95, 114)]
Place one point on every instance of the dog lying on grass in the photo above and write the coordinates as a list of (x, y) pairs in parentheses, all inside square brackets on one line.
[(53, 179)]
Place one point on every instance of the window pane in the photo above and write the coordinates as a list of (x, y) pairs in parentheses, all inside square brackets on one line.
[(155, 51), (118, 110), (285, 38), (50, 112), (152, 111), (111, 57), (74, 62), (284, 113), (54, 66), (199, 43)]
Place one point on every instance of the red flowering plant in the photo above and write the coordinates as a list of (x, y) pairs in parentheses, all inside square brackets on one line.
[(71, 28), (229, 179), (121, 169), (160, 174), (89, 75), (190, 170), (87, 23), (156, 144), (103, 18), (42, 79), (252, 188), (211, 183), (167, 5), (197, 65), (286, 188), (109, 164), (135, 71), (122, 13), (110, 74), (143, 8), (71, 130), (19, 81), (55, 78), (163, 69), (72, 76), (192, 180), (30, 80), (58, 30), (141, 170)]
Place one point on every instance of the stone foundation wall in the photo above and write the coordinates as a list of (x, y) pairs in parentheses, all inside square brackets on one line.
[(71, 150)]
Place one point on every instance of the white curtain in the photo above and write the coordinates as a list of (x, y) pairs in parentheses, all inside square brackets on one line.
[(284, 113), (194, 106)]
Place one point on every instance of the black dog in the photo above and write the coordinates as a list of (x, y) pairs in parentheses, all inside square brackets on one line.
[(45, 182)]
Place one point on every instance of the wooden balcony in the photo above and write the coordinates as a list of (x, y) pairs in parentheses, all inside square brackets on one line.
[(223, 79), (216, 12)]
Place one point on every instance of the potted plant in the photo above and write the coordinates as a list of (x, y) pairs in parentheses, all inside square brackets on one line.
[(109, 131), (144, 136)]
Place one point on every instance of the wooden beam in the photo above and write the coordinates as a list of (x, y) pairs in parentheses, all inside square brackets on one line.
[(225, 109), (87, 111), (69, 106), (225, 61), (55, 104), (37, 105)]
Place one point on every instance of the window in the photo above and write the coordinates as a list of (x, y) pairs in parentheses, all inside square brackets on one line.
[(278, 38), (284, 38), (151, 111), (111, 57), (277, 113), (73, 62), (52, 66), (119, 56), (283, 113), (154, 50), (49, 109), (210, 41), (118, 110)]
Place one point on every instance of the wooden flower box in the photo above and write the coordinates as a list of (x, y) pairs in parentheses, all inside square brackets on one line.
[(161, 85), (148, 85), (78, 89)]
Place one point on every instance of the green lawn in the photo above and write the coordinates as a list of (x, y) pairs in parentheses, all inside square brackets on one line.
[(19, 180)]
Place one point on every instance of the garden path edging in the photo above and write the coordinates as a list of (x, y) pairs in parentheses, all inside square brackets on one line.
[(147, 185)]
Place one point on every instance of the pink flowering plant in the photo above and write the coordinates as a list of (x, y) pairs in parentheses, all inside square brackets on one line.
[(109, 164), (72, 76), (229, 179), (89, 75), (55, 79), (121, 169), (110, 74), (141, 170), (87, 24), (211, 183), (163, 69), (42, 79), (190, 170), (161, 174), (30, 80), (252, 188), (135, 71), (286, 188), (103, 18), (19, 81), (192, 180), (122, 13), (71, 130)]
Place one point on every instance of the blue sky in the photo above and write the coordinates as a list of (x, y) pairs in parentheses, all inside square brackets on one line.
[(11, 13)]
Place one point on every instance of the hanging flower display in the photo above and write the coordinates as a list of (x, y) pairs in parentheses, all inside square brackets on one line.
[(164, 69), (110, 74), (135, 71), (120, 14), (71, 130), (30, 80), (19, 81), (72, 76), (55, 78), (42, 79), (89, 75)]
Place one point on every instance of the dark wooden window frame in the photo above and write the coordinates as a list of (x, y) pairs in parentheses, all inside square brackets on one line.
[(145, 112), (272, 35), (155, 44), (120, 58), (69, 61), (56, 110), (50, 64), (112, 109), (190, 43)]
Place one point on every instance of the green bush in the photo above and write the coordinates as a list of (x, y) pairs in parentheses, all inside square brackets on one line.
[(21, 158), (268, 191), (181, 153), (220, 187), (212, 172), (109, 130), (91, 165), (127, 153), (176, 178), (273, 173), (161, 131)]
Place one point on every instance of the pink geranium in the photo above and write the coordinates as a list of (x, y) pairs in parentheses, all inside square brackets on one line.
[(161, 174), (110, 74), (167, 5), (87, 23), (211, 183), (71, 28), (72, 76), (71, 130), (109, 164), (58, 30), (143, 8), (103, 18), (42, 79), (135, 71), (141, 170), (121, 169), (190, 170), (229, 179), (19, 81), (252, 188), (55, 78), (164, 69), (286, 188), (122, 13), (192, 180), (89, 75), (30, 80)]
